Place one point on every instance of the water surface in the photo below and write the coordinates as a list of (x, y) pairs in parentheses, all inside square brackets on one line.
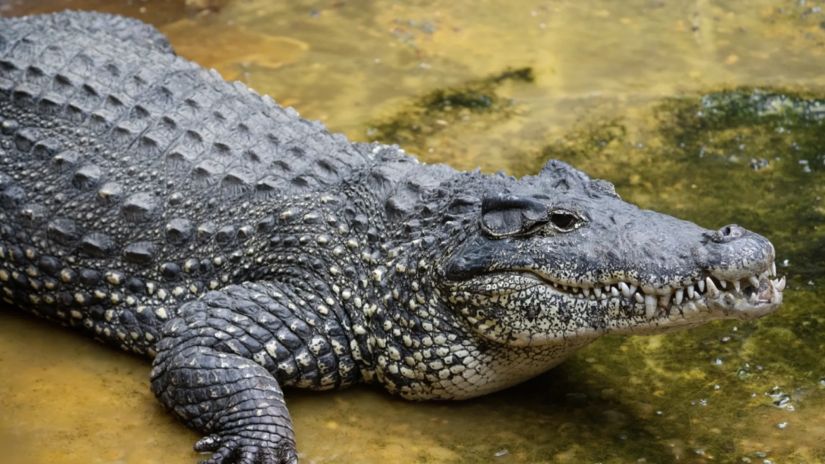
[(709, 110)]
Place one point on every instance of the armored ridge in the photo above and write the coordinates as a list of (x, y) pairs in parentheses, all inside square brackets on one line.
[(165, 211)]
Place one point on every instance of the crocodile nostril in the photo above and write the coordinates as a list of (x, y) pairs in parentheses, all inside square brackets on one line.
[(728, 233)]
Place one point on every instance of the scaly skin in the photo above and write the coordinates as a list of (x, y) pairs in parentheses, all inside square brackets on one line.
[(167, 212)]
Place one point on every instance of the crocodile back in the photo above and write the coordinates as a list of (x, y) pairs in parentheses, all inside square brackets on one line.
[(122, 163), (108, 131)]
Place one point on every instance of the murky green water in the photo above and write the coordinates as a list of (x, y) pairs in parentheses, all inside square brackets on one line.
[(712, 111)]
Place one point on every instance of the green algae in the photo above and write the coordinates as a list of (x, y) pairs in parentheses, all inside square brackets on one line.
[(478, 95), (780, 125), (440, 108)]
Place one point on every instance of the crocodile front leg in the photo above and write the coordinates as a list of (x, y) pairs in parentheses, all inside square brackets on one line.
[(221, 364), (237, 403)]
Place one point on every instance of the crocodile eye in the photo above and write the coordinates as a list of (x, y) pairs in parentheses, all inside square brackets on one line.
[(565, 221)]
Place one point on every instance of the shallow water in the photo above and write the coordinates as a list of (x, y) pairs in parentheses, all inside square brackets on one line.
[(706, 110)]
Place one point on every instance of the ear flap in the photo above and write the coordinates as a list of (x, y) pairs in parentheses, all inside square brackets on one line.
[(562, 175), (507, 215)]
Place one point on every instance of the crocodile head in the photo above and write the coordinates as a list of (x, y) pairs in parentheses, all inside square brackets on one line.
[(560, 256)]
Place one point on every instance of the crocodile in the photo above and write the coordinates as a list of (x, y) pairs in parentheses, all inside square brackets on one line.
[(242, 249)]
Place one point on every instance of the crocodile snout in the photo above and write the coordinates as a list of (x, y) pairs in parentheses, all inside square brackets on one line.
[(735, 253)]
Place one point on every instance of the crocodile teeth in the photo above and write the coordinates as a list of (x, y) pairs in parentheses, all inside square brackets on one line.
[(650, 306), (654, 297), (625, 290), (714, 292), (778, 286), (773, 269)]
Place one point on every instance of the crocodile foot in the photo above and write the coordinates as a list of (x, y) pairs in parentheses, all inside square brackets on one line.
[(242, 449)]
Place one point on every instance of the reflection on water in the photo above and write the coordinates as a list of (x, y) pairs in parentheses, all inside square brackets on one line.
[(662, 98)]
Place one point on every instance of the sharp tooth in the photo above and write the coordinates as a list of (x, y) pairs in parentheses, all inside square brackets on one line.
[(639, 298), (723, 284), (737, 286), (586, 291), (614, 291), (776, 295), (691, 292), (779, 284), (711, 287), (752, 298), (754, 281), (701, 286), (597, 291), (650, 306), (680, 294), (625, 290), (632, 288)]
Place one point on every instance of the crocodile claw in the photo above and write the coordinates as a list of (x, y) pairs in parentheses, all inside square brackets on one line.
[(208, 443), (238, 450)]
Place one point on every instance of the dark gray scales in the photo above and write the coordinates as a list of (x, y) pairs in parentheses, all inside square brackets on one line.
[(164, 211)]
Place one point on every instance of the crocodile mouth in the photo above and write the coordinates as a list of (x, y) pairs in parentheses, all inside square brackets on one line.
[(749, 297)]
